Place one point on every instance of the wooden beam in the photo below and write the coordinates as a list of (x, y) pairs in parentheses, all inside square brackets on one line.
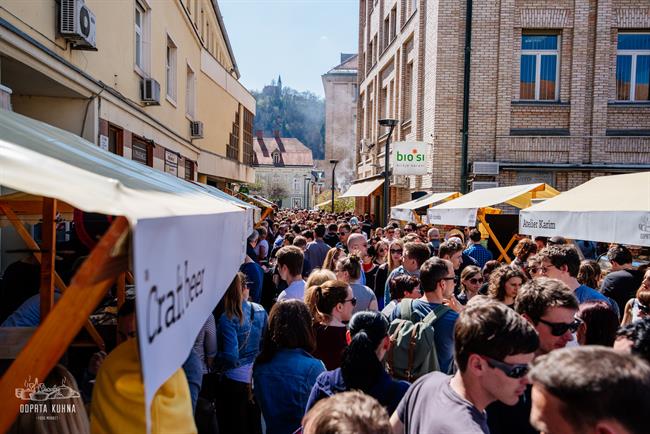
[(494, 238), (510, 243), (121, 290), (55, 334), (58, 282), (48, 254)]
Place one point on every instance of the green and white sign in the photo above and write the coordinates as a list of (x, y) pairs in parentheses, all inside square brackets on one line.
[(409, 158)]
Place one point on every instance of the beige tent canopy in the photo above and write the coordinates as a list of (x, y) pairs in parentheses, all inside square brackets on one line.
[(613, 209), (467, 210), (363, 189), (406, 210)]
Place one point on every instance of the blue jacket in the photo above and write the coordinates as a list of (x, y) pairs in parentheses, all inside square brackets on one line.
[(387, 391), (282, 388), (240, 343)]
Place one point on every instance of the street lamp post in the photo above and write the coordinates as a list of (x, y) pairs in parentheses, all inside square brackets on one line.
[(306, 185), (390, 123), (334, 162)]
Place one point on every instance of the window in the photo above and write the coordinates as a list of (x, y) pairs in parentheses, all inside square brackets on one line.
[(539, 68), (383, 101), (139, 34), (386, 34), (170, 66), (393, 23), (142, 151), (248, 137), (232, 150), (355, 92), (189, 170), (633, 67), (276, 158), (190, 92), (115, 140), (296, 185), (408, 89)]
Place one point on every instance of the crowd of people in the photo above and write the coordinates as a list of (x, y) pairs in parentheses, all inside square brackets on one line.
[(337, 325)]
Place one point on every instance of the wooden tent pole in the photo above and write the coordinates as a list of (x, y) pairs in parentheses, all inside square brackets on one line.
[(58, 282), (494, 238), (48, 255), (510, 243), (52, 337)]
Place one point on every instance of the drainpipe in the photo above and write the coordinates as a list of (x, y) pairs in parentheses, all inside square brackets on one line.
[(467, 68)]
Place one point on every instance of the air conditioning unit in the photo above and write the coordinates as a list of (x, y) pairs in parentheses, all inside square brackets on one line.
[(483, 185), (150, 91), (77, 24), (485, 168), (196, 129)]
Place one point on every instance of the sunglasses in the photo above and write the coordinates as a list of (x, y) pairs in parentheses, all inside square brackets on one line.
[(511, 370), (343, 233), (352, 301), (397, 251), (560, 328), (475, 280), (382, 250), (407, 230)]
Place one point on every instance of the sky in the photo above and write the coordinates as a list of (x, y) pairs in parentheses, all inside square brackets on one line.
[(297, 39)]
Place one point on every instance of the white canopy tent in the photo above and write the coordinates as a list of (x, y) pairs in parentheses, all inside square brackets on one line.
[(363, 189), (612, 209), (183, 236), (406, 210), (472, 207)]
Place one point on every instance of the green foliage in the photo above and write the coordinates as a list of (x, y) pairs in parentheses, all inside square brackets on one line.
[(300, 115)]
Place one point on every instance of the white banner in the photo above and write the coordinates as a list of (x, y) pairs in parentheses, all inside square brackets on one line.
[(625, 227), (409, 158), (406, 215), (182, 266), (452, 216)]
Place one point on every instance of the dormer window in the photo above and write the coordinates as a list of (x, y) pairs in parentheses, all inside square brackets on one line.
[(276, 158)]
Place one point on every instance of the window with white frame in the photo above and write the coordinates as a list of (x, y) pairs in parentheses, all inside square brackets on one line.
[(633, 67), (170, 66), (141, 42), (190, 92), (296, 185), (540, 68)]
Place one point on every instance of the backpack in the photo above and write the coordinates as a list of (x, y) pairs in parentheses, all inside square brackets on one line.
[(412, 352)]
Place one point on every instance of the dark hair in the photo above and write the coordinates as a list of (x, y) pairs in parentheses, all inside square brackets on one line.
[(432, 271), (601, 322), (292, 257), (524, 248), (490, 266), (308, 233), (475, 235), (290, 326), (619, 254), (332, 227), (296, 228), (594, 384), (262, 231), (449, 248), (345, 226), (540, 294), (491, 329), (639, 333), (559, 255), (360, 367), (351, 264), (300, 241), (347, 412), (401, 284), (418, 251), (498, 279), (320, 230), (327, 296), (589, 273)]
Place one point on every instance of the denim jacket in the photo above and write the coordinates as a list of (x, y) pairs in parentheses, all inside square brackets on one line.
[(282, 387), (240, 343)]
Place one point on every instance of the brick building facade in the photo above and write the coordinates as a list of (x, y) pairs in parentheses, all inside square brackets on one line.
[(558, 89)]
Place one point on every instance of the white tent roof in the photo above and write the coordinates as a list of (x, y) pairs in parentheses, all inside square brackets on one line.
[(607, 208), (362, 189), (463, 210), (39, 159), (404, 211)]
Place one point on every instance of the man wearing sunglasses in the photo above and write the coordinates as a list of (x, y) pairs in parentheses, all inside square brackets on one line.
[(344, 232), (493, 347), (551, 307)]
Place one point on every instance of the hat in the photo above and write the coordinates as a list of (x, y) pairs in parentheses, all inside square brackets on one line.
[(454, 233), (117, 404), (354, 221), (557, 240)]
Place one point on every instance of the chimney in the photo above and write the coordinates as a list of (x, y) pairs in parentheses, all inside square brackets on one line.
[(259, 134)]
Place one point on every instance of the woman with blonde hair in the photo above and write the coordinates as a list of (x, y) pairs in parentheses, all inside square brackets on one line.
[(332, 257), (317, 277), (638, 307), (395, 253)]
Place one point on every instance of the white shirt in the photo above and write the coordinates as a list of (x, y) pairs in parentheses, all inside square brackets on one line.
[(294, 291)]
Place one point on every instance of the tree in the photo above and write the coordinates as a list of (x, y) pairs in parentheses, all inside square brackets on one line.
[(275, 191)]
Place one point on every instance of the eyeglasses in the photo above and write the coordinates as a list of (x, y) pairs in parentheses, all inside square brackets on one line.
[(560, 328), (352, 301), (475, 280), (511, 370), (398, 251)]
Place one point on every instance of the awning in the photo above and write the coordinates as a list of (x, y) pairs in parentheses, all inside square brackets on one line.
[(613, 209), (257, 200), (324, 204), (463, 210), (363, 189), (253, 213), (264, 200), (405, 210)]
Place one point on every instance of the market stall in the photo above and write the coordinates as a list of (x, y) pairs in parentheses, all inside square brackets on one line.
[(406, 211), (613, 209), (471, 208), (166, 231)]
